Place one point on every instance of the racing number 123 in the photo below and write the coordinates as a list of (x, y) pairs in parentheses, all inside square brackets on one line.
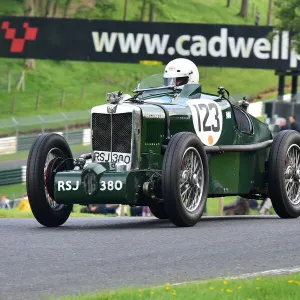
[(208, 108)]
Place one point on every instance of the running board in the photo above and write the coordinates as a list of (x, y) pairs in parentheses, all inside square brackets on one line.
[(238, 148)]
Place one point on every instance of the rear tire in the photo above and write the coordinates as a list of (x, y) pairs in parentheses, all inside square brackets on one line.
[(185, 179), (284, 174), (44, 150)]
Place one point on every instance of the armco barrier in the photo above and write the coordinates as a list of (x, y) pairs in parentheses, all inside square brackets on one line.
[(8, 145), (12, 176), (25, 142), (14, 144), (86, 137), (74, 137)]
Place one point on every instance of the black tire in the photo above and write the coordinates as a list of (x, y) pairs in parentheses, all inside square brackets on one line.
[(171, 176), (35, 179), (158, 210), (277, 172)]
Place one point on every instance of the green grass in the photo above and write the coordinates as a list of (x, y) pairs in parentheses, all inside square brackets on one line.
[(13, 191), (50, 77), (269, 288)]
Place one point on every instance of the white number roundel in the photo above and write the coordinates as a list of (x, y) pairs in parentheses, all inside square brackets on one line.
[(207, 120)]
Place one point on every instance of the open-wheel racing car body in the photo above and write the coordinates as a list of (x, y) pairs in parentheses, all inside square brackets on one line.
[(169, 149)]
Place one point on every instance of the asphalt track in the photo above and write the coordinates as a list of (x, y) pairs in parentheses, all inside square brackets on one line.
[(89, 254)]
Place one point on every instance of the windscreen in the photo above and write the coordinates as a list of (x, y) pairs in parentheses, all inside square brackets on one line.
[(156, 80)]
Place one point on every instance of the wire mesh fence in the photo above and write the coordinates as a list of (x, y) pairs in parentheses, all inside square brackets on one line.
[(18, 134)]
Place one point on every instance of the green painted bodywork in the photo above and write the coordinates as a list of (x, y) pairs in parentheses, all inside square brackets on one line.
[(230, 173), (127, 193)]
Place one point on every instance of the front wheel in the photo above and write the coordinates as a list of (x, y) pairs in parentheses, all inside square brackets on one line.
[(48, 151), (158, 210), (284, 174), (185, 179)]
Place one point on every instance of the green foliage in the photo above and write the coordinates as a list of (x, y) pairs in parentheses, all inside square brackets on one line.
[(161, 8), (287, 13), (11, 7), (103, 10)]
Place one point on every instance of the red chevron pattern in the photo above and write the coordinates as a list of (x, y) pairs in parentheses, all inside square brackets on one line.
[(17, 44)]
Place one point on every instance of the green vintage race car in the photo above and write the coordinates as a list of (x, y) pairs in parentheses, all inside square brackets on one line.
[(169, 149)]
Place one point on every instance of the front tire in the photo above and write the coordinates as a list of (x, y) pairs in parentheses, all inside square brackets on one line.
[(158, 210), (46, 148), (284, 174), (185, 179)]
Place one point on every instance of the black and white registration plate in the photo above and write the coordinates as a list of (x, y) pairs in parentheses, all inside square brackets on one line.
[(112, 157)]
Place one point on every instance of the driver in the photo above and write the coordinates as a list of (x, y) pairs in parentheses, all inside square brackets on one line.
[(180, 71)]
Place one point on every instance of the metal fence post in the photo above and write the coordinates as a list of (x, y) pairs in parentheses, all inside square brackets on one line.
[(17, 134), (67, 126), (293, 108), (43, 123)]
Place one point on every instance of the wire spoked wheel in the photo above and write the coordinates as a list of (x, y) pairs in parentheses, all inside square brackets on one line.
[(292, 174), (284, 174), (48, 151), (185, 179), (192, 179)]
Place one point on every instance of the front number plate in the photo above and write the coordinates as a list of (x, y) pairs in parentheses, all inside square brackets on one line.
[(112, 157)]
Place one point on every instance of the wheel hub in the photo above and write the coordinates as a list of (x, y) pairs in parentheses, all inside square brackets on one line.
[(289, 172), (192, 180), (50, 174), (292, 174), (195, 180), (185, 175), (53, 160)]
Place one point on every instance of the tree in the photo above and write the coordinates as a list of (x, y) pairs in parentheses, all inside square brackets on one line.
[(48, 8), (125, 9), (55, 6), (103, 9), (43, 8), (29, 8), (152, 11), (66, 8), (269, 19), (143, 9), (287, 17), (244, 9), (228, 3), (157, 7)]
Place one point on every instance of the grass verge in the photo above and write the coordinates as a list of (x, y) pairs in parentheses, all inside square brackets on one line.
[(274, 287)]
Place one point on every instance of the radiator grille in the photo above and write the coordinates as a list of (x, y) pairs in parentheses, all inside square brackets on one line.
[(121, 126)]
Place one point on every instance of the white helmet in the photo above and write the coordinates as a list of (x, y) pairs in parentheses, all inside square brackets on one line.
[(180, 71)]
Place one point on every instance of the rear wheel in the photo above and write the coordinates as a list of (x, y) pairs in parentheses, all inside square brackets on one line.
[(47, 152), (284, 174), (185, 179)]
